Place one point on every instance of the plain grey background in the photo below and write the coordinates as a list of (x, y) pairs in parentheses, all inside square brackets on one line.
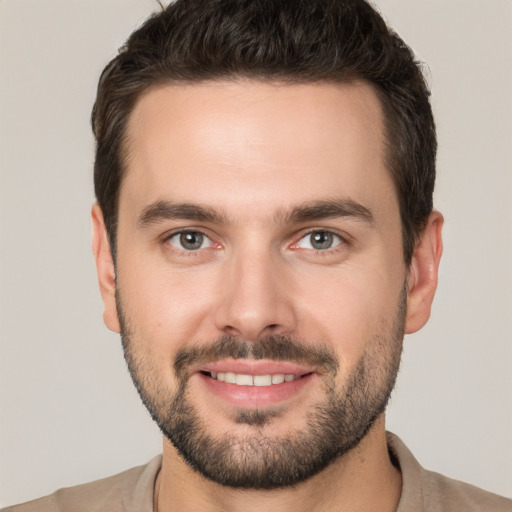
[(69, 413)]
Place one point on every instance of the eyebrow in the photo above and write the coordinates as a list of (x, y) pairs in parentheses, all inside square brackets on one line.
[(166, 210), (316, 210), (329, 209)]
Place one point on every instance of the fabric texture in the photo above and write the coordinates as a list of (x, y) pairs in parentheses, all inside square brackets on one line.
[(132, 491), (426, 491)]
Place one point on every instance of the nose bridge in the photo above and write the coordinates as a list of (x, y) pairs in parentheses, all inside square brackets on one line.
[(253, 302)]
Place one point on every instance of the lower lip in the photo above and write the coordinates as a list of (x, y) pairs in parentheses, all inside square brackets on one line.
[(255, 397)]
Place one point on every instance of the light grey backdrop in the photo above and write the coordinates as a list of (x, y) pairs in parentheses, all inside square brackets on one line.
[(68, 411)]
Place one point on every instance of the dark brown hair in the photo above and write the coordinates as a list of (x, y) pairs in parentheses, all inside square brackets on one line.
[(295, 41)]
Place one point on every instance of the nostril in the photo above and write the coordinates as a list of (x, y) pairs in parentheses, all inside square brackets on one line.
[(231, 331)]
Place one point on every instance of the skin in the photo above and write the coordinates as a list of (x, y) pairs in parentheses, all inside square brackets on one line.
[(252, 152)]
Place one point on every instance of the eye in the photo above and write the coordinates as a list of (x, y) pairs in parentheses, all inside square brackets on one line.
[(319, 241), (190, 240)]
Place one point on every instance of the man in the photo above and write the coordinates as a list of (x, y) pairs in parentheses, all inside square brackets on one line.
[(264, 237)]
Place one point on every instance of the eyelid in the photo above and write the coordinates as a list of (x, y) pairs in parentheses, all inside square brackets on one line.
[(205, 241), (343, 237), (189, 229), (186, 229)]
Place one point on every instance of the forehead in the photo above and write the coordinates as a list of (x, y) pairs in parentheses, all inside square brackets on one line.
[(231, 144)]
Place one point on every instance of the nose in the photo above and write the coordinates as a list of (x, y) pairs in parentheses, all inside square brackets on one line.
[(254, 299)]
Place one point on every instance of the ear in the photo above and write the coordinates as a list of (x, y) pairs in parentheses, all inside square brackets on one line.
[(105, 269), (423, 272)]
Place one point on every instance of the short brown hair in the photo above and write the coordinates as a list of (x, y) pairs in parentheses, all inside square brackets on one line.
[(295, 41)]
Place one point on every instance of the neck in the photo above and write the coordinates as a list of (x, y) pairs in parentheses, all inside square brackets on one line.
[(364, 479)]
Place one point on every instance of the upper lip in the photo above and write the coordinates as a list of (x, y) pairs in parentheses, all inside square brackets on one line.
[(255, 367)]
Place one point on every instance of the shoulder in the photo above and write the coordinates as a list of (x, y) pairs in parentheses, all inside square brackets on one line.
[(131, 490), (441, 493), (427, 491)]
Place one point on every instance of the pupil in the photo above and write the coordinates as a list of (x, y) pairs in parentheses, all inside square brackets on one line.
[(191, 240), (321, 240)]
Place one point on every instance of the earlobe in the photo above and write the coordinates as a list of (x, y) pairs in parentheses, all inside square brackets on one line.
[(105, 268), (423, 273)]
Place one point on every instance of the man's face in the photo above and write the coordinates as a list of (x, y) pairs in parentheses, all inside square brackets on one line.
[(259, 241)]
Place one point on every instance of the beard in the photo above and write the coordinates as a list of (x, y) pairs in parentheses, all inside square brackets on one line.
[(253, 458)]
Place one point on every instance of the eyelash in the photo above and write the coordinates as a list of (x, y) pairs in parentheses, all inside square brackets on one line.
[(190, 252), (343, 241)]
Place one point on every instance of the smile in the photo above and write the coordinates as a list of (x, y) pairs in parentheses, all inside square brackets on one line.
[(241, 379), (249, 384)]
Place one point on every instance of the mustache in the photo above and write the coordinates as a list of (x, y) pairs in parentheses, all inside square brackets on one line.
[(275, 347)]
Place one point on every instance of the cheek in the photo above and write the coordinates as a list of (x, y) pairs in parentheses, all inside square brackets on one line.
[(169, 307), (163, 313), (348, 307)]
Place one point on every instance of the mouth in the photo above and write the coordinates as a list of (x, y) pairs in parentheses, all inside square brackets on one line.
[(244, 379), (254, 384)]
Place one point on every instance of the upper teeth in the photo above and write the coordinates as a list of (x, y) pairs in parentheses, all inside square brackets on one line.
[(253, 380)]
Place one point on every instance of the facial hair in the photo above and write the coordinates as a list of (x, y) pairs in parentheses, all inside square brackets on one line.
[(256, 459)]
